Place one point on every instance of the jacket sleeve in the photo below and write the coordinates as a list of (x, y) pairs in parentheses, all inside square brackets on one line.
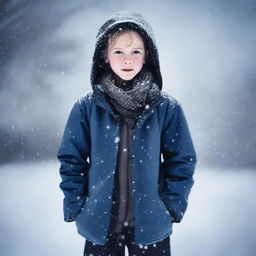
[(179, 160), (72, 154)]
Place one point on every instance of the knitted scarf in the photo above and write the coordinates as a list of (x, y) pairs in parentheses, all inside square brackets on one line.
[(131, 97)]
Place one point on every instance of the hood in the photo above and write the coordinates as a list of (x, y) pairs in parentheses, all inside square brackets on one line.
[(132, 20)]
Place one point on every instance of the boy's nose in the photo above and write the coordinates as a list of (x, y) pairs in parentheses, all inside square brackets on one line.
[(127, 61)]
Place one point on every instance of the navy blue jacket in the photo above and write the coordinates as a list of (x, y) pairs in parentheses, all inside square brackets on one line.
[(163, 163)]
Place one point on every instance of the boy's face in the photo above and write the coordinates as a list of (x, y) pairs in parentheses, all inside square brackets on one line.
[(126, 55)]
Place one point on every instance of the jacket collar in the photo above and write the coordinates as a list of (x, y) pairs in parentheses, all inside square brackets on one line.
[(99, 99)]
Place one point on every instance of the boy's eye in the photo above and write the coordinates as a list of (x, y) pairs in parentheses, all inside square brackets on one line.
[(119, 52)]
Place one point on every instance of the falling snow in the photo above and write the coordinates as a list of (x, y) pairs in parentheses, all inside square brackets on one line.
[(218, 216)]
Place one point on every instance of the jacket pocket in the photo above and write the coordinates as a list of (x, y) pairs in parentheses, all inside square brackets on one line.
[(165, 208), (82, 209), (169, 211)]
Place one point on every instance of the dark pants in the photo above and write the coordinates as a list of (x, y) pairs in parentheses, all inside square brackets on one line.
[(115, 246)]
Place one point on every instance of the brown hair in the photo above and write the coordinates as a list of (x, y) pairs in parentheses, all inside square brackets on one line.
[(114, 36)]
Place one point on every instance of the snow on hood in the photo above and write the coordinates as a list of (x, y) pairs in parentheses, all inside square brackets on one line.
[(122, 20)]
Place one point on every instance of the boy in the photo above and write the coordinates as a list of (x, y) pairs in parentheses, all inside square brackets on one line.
[(125, 194)]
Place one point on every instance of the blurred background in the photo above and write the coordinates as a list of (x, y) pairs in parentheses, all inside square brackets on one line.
[(207, 57)]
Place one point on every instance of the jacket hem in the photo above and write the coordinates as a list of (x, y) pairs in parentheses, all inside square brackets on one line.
[(160, 239), (104, 242)]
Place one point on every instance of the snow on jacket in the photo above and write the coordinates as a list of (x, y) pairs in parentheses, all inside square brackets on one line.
[(89, 150)]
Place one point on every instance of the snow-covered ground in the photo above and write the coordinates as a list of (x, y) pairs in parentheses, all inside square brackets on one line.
[(220, 219)]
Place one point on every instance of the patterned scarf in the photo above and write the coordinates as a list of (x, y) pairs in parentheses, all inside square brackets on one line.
[(131, 98)]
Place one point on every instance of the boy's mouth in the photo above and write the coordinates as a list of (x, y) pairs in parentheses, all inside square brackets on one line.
[(127, 69)]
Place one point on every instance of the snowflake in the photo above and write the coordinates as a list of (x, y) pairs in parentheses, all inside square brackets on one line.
[(126, 223)]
